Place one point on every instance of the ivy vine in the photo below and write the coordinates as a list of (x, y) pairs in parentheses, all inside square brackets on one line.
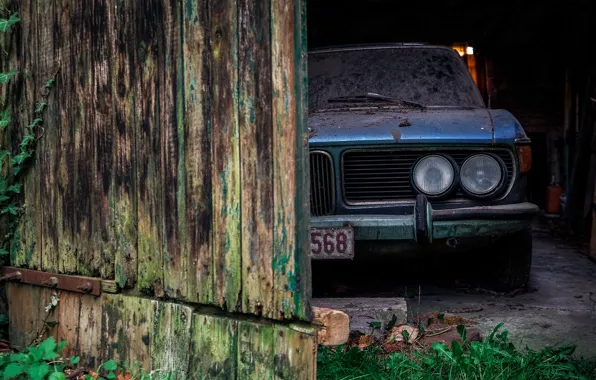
[(13, 163)]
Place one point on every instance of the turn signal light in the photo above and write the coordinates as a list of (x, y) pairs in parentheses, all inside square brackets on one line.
[(525, 158)]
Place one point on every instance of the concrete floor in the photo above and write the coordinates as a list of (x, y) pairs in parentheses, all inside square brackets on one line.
[(558, 308)]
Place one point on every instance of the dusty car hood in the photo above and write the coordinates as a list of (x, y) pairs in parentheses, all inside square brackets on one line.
[(414, 126)]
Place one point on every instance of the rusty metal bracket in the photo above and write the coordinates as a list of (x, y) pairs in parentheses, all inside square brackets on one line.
[(78, 284)]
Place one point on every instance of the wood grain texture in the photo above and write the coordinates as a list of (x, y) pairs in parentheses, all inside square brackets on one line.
[(225, 154), (170, 339), (53, 221), (98, 20), (295, 353), (26, 243), (256, 129), (124, 189), (214, 340), (302, 271), (176, 269), (288, 182), (150, 34), (62, 162), (197, 138), (255, 351), (127, 324)]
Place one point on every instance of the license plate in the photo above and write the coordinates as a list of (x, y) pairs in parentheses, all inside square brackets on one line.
[(332, 243)]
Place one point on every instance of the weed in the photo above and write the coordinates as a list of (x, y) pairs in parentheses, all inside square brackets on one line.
[(494, 358)]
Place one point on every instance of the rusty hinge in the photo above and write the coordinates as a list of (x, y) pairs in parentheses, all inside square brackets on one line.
[(79, 284)]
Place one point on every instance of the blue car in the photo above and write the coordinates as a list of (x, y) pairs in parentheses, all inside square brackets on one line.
[(406, 158)]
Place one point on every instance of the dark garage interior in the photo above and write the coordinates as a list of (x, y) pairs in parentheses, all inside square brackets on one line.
[(537, 61)]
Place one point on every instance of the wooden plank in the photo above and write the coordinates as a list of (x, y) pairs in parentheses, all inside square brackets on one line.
[(255, 351), (295, 353), (26, 246), (68, 317), (43, 70), (256, 130), (197, 139), (213, 348), (225, 154), (124, 210), (100, 161), (303, 293), (149, 34), (171, 339), (92, 339), (27, 314), (63, 167), (290, 266), (127, 329), (173, 154)]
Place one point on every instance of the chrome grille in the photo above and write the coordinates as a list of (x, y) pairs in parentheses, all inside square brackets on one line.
[(322, 184), (384, 176)]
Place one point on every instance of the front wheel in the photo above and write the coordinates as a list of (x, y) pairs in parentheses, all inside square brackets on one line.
[(511, 257)]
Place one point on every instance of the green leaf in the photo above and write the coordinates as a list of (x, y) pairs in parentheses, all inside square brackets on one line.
[(57, 376), (111, 376), (40, 107), (16, 188), (35, 354), (11, 209), (110, 365), (458, 352), (35, 122), (3, 252), (61, 345), (375, 325), (21, 157), (461, 330), (5, 24), (50, 83), (48, 344), (74, 360), (16, 169), (13, 370), (27, 139), (5, 118), (5, 77), (4, 198), (3, 319), (38, 371)]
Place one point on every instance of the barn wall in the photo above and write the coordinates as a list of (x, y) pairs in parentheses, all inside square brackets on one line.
[(173, 156)]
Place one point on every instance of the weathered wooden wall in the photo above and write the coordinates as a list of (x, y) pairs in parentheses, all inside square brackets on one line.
[(173, 162), (173, 158), (164, 337)]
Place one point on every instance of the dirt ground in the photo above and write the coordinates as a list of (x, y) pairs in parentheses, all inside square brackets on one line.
[(558, 308)]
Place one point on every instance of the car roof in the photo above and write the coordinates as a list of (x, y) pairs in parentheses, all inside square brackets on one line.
[(392, 45)]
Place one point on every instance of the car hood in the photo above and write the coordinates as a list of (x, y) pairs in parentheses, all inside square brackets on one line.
[(414, 126)]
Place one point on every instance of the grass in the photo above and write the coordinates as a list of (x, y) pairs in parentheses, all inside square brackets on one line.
[(495, 358)]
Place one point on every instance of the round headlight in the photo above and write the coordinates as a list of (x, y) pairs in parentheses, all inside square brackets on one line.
[(481, 174), (433, 175)]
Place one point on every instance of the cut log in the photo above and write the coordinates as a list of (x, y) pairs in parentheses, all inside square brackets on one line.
[(334, 326)]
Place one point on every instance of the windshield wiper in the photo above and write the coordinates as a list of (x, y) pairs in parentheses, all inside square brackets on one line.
[(371, 97)]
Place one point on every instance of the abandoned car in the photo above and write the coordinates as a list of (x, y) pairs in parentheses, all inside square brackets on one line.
[(405, 157)]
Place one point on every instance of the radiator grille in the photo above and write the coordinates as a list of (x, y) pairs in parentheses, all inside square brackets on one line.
[(322, 184), (384, 176)]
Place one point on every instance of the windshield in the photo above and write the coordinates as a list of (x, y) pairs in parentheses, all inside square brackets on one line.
[(427, 75)]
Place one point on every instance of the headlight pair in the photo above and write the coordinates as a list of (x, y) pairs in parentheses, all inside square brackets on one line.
[(480, 176)]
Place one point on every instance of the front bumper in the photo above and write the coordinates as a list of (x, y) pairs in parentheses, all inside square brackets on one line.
[(425, 224)]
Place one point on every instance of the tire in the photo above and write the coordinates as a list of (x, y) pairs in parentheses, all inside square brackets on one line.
[(512, 259)]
